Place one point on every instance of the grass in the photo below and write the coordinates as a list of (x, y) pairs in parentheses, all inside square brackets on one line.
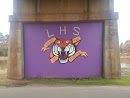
[(124, 68), (125, 81)]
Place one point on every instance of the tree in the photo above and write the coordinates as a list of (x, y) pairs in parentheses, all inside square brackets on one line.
[(127, 41), (3, 44), (125, 47), (7, 36), (1, 35), (121, 47)]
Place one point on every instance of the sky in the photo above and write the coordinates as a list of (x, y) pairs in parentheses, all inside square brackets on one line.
[(6, 8), (122, 6)]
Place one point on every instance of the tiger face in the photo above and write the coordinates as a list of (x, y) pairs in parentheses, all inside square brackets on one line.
[(63, 49)]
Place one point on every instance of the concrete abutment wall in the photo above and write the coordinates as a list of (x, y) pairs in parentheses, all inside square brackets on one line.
[(35, 11)]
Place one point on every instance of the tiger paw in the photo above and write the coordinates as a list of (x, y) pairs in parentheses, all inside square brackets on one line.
[(45, 48), (84, 54)]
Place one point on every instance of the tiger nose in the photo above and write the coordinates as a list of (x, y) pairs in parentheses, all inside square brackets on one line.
[(62, 48)]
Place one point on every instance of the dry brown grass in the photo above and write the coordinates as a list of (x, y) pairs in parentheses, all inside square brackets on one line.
[(3, 58), (125, 58)]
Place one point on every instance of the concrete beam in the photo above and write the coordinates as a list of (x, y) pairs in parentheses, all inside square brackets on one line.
[(101, 5), (64, 17)]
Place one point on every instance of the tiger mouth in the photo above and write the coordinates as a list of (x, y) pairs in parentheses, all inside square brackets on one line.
[(63, 56)]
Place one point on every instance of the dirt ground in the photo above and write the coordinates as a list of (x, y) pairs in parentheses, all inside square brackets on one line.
[(8, 82)]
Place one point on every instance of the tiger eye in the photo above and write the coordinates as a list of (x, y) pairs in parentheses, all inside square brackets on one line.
[(58, 42), (67, 42)]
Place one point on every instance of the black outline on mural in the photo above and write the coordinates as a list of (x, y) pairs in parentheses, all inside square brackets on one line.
[(78, 53)]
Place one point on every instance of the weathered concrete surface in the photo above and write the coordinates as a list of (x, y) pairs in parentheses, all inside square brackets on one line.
[(66, 92), (111, 54), (64, 17), (15, 52), (34, 11), (31, 7)]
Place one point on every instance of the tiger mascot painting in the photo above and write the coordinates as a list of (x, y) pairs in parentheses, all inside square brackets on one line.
[(64, 50)]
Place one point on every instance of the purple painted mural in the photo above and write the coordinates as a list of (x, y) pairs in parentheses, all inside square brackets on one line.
[(63, 49)]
